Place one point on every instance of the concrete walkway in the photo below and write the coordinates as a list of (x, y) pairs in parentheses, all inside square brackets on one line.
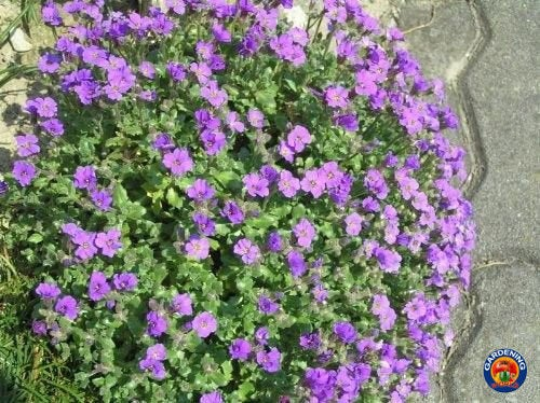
[(489, 53)]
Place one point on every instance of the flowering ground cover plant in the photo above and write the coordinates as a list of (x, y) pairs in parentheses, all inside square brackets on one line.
[(223, 207)]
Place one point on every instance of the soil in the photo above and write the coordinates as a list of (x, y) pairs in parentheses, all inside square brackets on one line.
[(13, 94)]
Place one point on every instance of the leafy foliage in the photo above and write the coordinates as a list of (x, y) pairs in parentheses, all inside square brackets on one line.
[(222, 206)]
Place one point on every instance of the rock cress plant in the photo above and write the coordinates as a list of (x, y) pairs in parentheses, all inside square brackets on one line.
[(225, 207)]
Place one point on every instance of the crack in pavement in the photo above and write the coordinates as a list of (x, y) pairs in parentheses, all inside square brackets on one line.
[(471, 132), (469, 331)]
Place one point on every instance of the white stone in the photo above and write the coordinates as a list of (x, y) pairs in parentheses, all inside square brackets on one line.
[(19, 41), (158, 3), (296, 16)]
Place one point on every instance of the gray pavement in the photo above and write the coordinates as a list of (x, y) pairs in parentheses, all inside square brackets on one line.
[(489, 53)]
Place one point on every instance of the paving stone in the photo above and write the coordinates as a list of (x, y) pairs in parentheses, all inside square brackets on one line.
[(505, 90), (506, 316)]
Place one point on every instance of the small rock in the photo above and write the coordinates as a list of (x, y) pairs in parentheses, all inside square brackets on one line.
[(19, 42), (156, 3), (296, 16)]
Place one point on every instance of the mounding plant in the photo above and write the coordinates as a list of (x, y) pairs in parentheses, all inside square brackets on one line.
[(222, 206)]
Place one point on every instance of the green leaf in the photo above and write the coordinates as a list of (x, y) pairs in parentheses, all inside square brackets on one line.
[(246, 389), (35, 238), (267, 99), (135, 211), (120, 196), (173, 199), (291, 84)]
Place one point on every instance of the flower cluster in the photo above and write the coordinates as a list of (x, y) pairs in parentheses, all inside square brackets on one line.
[(89, 244), (59, 305), (85, 178), (282, 212)]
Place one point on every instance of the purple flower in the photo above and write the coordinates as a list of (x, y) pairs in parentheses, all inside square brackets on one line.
[(310, 341), (155, 367), (24, 172), (200, 190), (162, 142), (85, 242), (287, 3), (217, 63), (235, 125), (98, 288), (320, 293), (269, 173), (274, 242), (286, 152), (255, 118), (247, 250), (345, 332), (212, 397), (48, 291), (381, 308), (221, 33), (205, 224), (240, 349), (214, 141), (198, 248), (67, 307), (348, 121), (298, 138), (181, 304), (204, 324), (176, 71), (288, 184), (205, 50), (102, 199), (297, 264), (42, 107), (262, 335), (71, 229), (125, 281), (27, 145), (39, 327), (256, 185), (389, 260), (233, 212), (157, 324), (304, 232), (365, 83), (109, 242), (416, 308), (4, 187), (95, 56), (50, 14), (421, 383), (85, 178), (371, 204), (201, 71), (267, 306), (337, 97), (213, 94), (314, 183), (380, 304), (375, 182), (179, 161), (156, 352), (269, 361), (353, 224), (147, 69)]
